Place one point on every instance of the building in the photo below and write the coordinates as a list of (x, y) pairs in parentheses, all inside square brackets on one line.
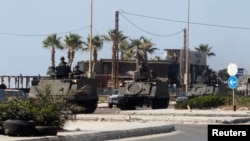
[(163, 68), (170, 67), (197, 62)]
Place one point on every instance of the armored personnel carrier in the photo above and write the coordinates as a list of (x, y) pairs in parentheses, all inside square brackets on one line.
[(78, 90), (208, 83), (144, 89)]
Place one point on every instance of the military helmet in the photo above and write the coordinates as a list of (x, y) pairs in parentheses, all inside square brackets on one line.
[(62, 58)]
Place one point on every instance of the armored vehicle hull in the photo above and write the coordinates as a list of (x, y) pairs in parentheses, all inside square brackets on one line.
[(208, 84), (78, 91), (205, 89), (141, 92)]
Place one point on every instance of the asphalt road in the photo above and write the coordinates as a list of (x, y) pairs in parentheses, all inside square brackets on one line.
[(114, 110), (184, 132), (106, 122)]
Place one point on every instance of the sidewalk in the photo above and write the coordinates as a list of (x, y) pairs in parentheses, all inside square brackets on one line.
[(98, 127), (99, 131), (173, 116)]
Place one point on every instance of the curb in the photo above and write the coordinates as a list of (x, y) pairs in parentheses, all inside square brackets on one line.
[(109, 135), (243, 120)]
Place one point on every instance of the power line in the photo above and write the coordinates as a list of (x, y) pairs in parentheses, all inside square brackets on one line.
[(38, 35), (196, 23), (147, 31)]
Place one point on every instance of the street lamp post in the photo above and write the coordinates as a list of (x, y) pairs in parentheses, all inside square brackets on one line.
[(90, 40), (186, 73)]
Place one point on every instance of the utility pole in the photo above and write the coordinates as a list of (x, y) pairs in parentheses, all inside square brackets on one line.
[(186, 51), (90, 40), (115, 59), (185, 62)]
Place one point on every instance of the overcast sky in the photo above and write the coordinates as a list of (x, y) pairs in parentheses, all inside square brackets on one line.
[(222, 24)]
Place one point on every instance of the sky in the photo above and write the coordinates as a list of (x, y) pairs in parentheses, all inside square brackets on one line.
[(222, 24)]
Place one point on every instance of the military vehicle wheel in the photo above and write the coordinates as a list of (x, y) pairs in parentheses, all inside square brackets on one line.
[(124, 105), (148, 105), (159, 103), (121, 104), (154, 105), (110, 105), (128, 106), (165, 103), (1, 129), (91, 108), (85, 108), (132, 107)]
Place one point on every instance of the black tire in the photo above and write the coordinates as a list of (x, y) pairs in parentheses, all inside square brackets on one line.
[(155, 104), (159, 103), (127, 106), (19, 127), (90, 109), (110, 105), (45, 130), (1, 129), (121, 104)]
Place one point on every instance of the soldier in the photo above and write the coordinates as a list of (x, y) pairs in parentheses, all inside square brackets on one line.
[(152, 75), (3, 86), (205, 74), (143, 69), (76, 70), (62, 63)]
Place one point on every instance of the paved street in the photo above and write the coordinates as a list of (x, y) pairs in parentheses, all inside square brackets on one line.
[(101, 126)]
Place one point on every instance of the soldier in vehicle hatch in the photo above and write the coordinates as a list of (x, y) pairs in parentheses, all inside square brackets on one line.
[(62, 70), (62, 63), (152, 75), (143, 69), (205, 75), (76, 70), (3, 86)]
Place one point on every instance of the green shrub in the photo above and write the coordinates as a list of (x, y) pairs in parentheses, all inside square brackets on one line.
[(16, 109), (206, 101), (244, 101), (44, 109)]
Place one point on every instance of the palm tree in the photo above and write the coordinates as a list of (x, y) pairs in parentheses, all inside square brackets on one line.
[(126, 52), (111, 37), (147, 46), (73, 42), (156, 58), (142, 47), (223, 74), (205, 49), (97, 43), (52, 42)]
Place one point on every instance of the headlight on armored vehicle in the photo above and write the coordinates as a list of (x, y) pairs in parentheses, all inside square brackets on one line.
[(74, 81), (154, 83), (122, 84)]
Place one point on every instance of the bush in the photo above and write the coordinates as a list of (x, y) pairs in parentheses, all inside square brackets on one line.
[(16, 109), (206, 101), (44, 109), (244, 101)]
